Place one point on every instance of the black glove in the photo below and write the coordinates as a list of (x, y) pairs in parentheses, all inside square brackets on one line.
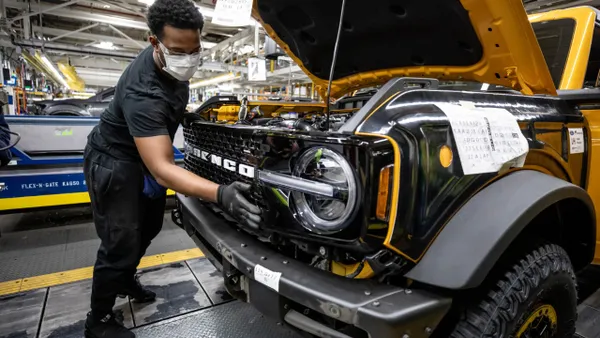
[(231, 199)]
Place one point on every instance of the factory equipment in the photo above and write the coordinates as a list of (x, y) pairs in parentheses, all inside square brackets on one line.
[(46, 170)]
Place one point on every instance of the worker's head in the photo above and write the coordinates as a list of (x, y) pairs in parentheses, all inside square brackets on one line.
[(176, 26)]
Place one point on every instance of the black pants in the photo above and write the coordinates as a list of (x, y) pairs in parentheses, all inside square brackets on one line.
[(126, 222)]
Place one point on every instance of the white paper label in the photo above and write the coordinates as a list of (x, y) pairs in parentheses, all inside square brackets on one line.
[(257, 69), (232, 12), (487, 139), (267, 277), (576, 140)]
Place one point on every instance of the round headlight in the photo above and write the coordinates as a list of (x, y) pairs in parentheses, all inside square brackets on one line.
[(325, 215)]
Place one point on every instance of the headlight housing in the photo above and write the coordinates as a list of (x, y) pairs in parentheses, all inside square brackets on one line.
[(320, 214)]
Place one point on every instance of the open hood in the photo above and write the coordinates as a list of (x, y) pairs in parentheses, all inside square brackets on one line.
[(489, 41)]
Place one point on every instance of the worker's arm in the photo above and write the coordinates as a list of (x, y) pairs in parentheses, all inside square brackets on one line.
[(147, 118), (157, 154)]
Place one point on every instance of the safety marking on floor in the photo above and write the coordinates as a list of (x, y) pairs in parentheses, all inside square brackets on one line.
[(43, 201), (70, 276)]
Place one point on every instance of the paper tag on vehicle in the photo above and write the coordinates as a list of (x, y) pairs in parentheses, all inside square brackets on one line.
[(576, 140), (232, 12), (488, 139), (267, 277)]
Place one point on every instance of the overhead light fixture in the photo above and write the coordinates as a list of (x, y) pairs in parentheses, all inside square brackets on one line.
[(53, 70), (208, 44), (105, 45), (215, 80), (147, 2)]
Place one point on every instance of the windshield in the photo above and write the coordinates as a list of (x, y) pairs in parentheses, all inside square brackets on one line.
[(554, 38)]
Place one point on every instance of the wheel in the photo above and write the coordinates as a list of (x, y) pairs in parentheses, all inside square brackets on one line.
[(536, 297)]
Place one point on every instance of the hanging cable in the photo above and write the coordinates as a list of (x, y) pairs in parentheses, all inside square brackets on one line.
[(17, 135), (335, 51)]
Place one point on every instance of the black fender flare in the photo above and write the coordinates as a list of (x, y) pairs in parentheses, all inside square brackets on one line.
[(473, 240)]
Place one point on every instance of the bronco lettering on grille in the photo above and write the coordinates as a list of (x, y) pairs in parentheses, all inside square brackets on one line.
[(242, 169)]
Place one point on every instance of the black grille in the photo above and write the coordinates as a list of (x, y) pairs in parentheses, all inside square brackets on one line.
[(237, 144)]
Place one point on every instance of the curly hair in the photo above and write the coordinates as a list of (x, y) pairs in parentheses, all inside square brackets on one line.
[(177, 13)]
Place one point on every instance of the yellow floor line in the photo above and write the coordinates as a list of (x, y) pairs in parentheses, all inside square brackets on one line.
[(70, 276)]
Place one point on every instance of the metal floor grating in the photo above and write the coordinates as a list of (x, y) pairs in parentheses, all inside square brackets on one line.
[(191, 302)]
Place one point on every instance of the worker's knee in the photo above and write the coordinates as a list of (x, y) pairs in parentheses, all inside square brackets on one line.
[(122, 247)]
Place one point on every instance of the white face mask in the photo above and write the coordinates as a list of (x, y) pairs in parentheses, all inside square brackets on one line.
[(180, 66)]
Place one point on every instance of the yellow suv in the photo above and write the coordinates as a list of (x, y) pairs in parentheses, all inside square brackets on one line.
[(428, 212)]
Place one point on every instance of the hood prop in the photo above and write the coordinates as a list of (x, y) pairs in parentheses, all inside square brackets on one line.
[(335, 51)]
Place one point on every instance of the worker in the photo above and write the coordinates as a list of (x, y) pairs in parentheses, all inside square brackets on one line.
[(129, 162), (5, 153)]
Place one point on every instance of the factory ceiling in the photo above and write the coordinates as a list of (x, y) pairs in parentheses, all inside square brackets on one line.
[(100, 37)]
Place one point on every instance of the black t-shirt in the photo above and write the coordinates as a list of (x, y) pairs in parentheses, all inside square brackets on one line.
[(147, 103)]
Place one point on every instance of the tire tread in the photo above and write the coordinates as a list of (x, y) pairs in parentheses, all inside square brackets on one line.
[(513, 289)]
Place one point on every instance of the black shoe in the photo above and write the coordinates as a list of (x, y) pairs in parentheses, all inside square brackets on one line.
[(138, 293), (107, 327)]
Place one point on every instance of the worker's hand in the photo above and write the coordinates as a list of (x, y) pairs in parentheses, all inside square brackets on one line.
[(231, 199)]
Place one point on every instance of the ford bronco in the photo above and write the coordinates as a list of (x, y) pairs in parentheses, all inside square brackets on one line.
[(427, 212)]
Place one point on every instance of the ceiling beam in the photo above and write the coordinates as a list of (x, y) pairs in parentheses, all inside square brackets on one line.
[(44, 9), (285, 71), (93, 15), (99, 63), (116, 30), (222, 67), (124, 8), (87, 36), (232, 41), (125, 20), (68, 33), (65, 48), (97, 37)]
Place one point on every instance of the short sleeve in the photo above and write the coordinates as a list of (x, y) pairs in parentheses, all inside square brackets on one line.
[(145, 115)]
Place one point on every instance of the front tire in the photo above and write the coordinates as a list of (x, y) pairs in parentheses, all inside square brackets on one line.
[(535, 297)]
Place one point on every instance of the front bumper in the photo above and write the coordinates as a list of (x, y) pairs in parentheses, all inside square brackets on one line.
[(380, 310)]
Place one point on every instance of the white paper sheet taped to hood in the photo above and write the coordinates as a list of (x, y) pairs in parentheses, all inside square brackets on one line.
[(487, 139)]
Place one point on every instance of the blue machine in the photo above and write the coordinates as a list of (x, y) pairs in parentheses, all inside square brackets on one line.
[(46, 170)]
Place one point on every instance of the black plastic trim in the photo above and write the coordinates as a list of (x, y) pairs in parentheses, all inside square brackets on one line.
[(391, 87), (311, 326), (381, 310), (481, 231)]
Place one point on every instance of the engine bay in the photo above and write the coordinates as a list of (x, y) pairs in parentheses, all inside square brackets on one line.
[(306, 116)]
